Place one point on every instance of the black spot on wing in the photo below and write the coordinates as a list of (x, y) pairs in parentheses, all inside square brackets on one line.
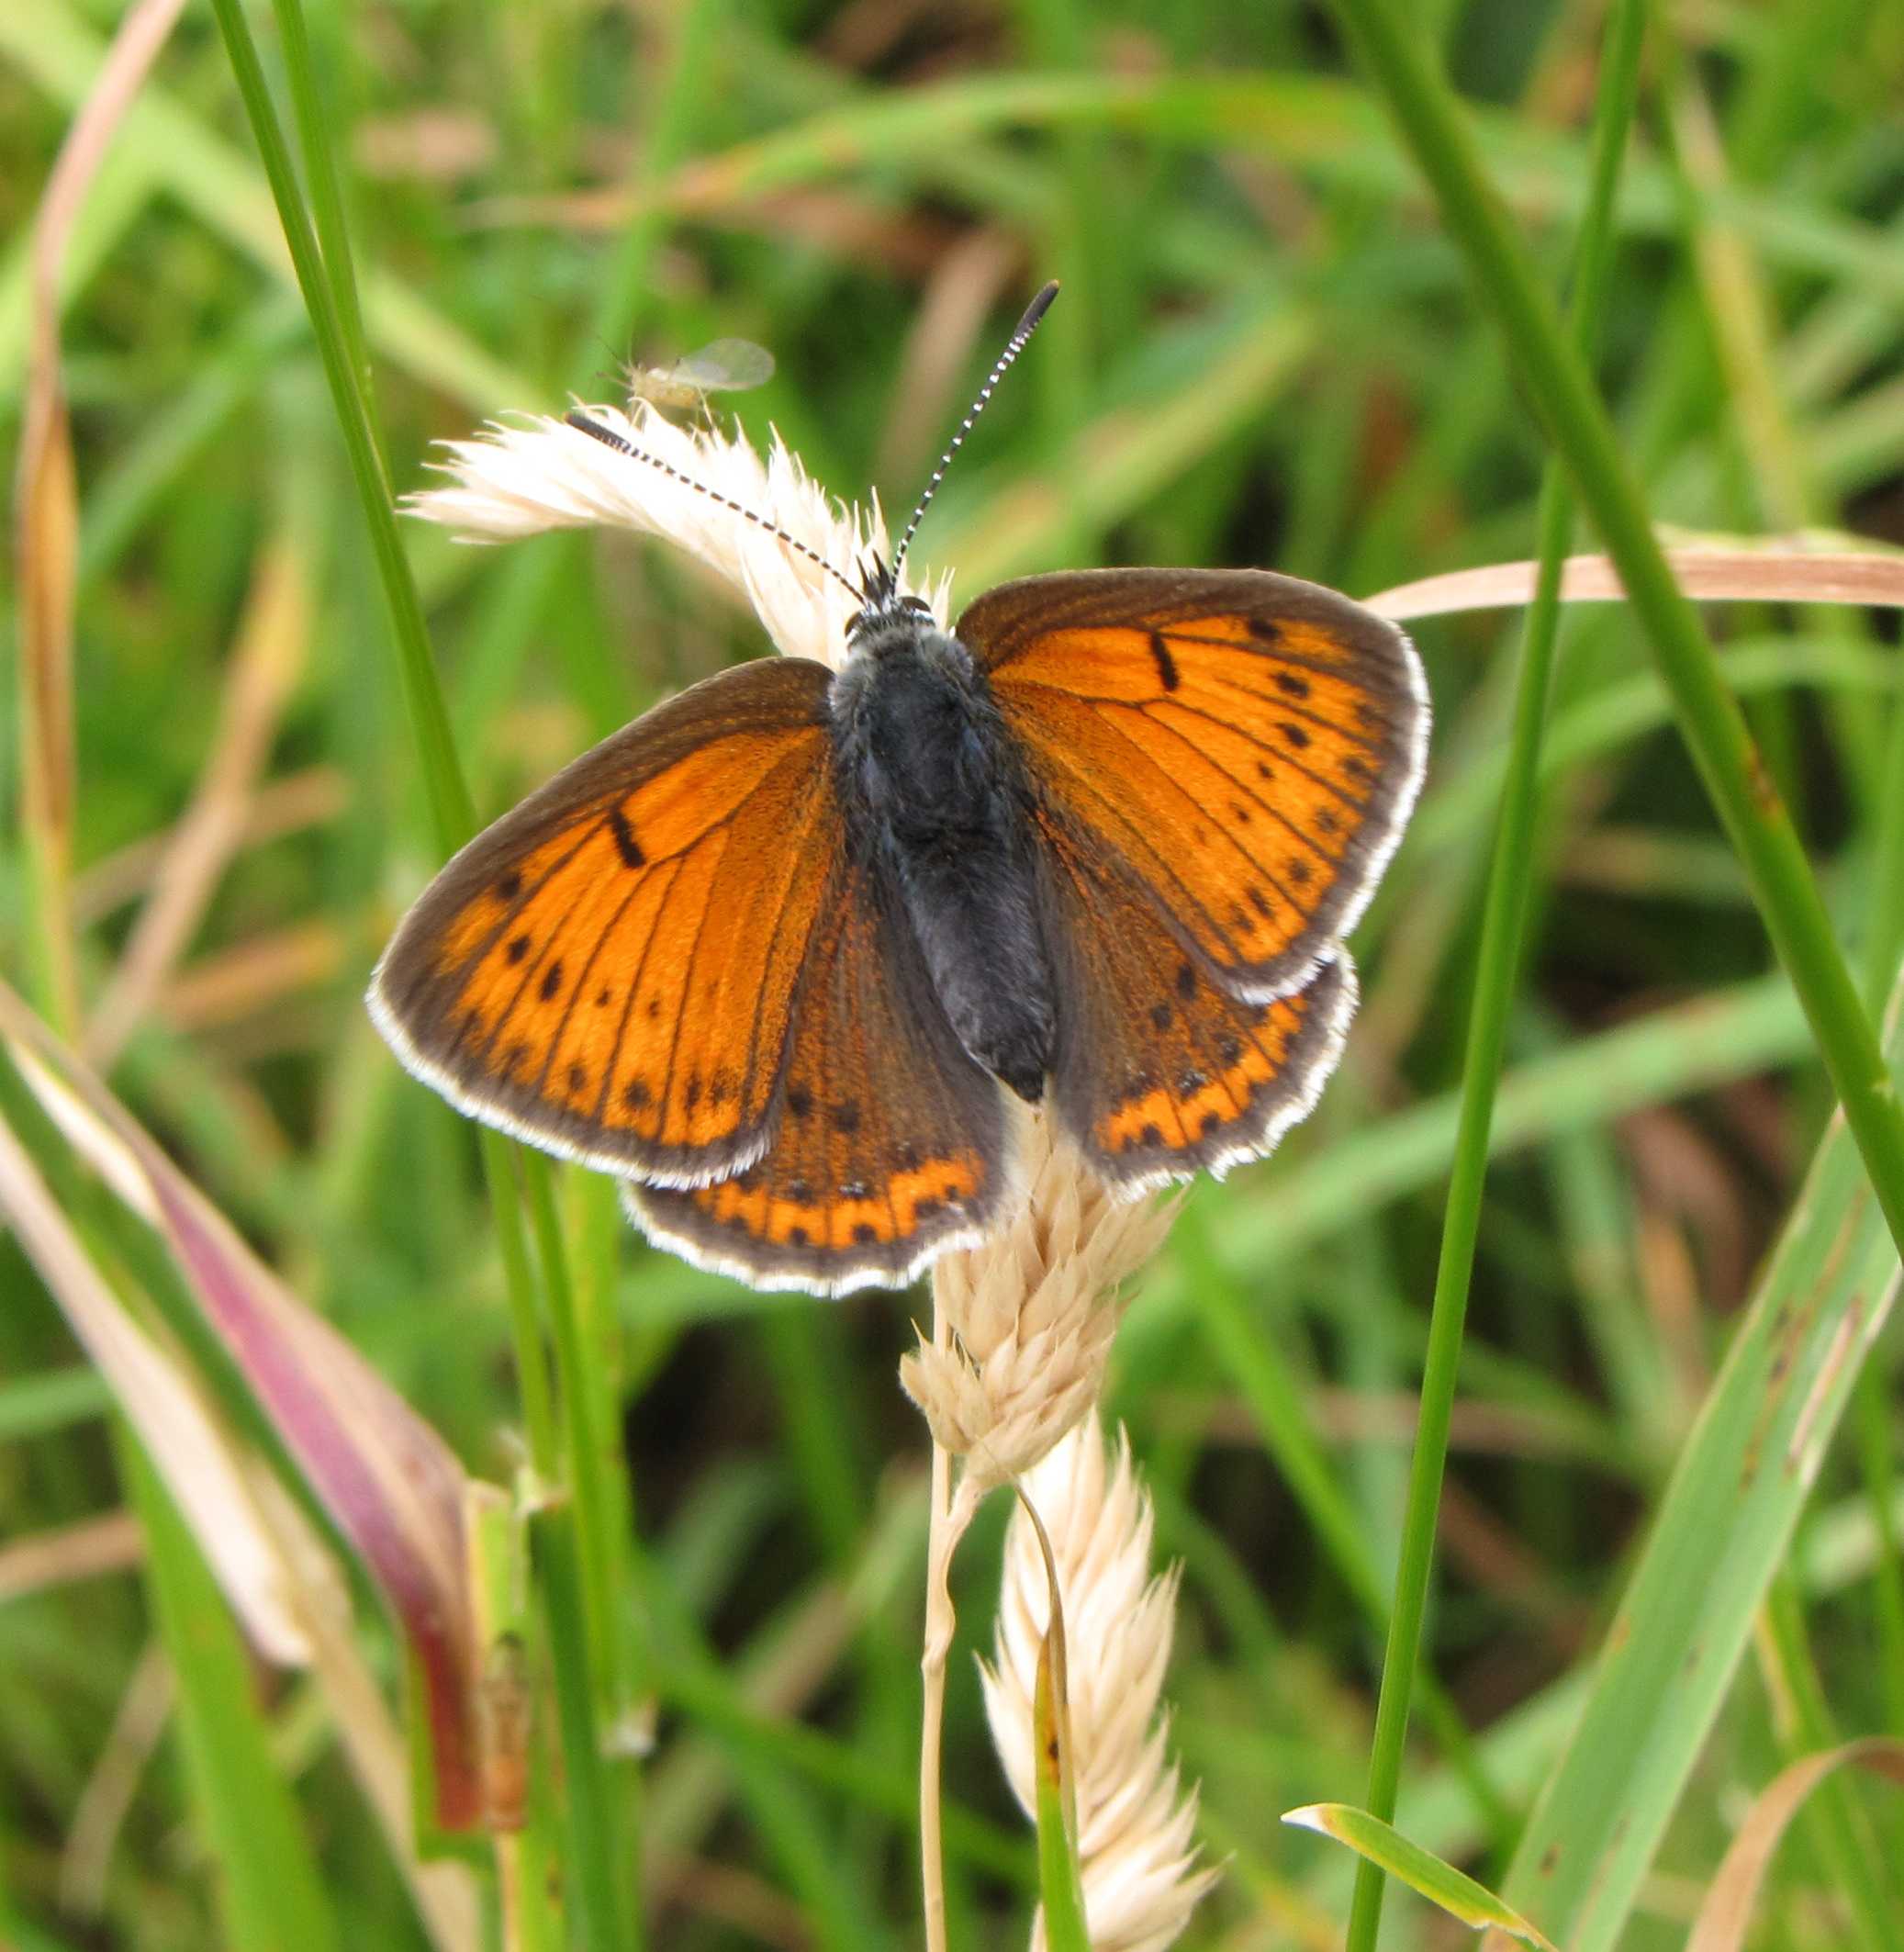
[(626, 846), (1166, 665)]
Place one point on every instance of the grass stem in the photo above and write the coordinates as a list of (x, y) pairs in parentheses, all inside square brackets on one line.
[(1503, 928), (329, 296), (1715, 731)]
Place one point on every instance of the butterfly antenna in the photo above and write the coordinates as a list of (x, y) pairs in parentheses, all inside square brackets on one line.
[(1026, 327), (610, 438)]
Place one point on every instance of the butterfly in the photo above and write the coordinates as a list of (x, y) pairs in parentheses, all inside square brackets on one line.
[(785, 952)]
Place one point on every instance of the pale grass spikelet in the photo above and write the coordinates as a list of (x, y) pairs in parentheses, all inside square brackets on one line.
[(1025, 1317), (526, 476), (1136, 1844)]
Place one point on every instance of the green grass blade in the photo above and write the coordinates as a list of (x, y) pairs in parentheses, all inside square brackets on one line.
[(1884, 926), (1726, 1035), (32, 1406), (314, 119), (1319, 126), (55, 50), (1503, 928), (1382, 1845), (588, 1803), (269, 1887), (1274, 1398), (1054, 1781), (1844, 1842), (1723, 1526), (1060, 1889), (1715, 731), (450, 808), (600, 1879)]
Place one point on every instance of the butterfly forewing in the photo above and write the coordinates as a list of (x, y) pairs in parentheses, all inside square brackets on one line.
[(891, 1144), (611, 970), (1249, 745)]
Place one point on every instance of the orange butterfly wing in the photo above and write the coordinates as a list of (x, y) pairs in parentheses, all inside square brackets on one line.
[(892, 1144), (610, 971), (1160, 1072), (1249, 745)]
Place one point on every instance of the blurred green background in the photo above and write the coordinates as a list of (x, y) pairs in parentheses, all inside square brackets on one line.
[(1266, 352)]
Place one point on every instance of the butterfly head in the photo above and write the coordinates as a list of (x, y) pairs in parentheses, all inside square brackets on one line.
[(884, 603)]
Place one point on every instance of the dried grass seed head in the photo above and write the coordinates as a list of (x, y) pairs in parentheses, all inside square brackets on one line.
[(521, 477), (1027, 1316), (1137, 1824)]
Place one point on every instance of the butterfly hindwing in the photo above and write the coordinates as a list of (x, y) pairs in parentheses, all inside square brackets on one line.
[(1160, 1072), (1251, 745), (611, 970), (892, 1143)]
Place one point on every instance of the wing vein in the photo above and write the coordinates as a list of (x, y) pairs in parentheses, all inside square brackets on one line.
[(773, 939), (722, 821), (581, 984), (1289, 709), (1268, 873), (673, 864), (674, 1047), (1280, 653), (532, 965), (1242, 786), (1083, 782), (475, 959), (1357, 807)]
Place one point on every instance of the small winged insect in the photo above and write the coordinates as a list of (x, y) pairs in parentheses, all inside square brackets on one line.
[(726, 365)]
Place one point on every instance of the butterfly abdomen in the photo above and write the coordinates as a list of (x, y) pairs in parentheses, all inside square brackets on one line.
[(931, 782)]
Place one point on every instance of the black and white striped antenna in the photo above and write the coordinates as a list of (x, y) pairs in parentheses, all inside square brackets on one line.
[(1026, 327), (609, 438)]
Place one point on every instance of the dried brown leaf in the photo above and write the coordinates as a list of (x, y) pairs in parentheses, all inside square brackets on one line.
[(1727, 1912), (272, 641), (202, 1464), (1774, 572), (46, 502), (392, 1485)]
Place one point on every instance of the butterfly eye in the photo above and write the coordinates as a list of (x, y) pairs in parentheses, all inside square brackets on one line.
[(881, 605)]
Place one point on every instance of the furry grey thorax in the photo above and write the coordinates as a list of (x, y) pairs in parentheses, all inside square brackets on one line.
[(928, 774)]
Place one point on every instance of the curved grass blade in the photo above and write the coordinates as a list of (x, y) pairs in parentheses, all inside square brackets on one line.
[(1727, 1912), (270, 1891), (1503, 928), (1384, 1847), (1723, 1526), (1730, 765)]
